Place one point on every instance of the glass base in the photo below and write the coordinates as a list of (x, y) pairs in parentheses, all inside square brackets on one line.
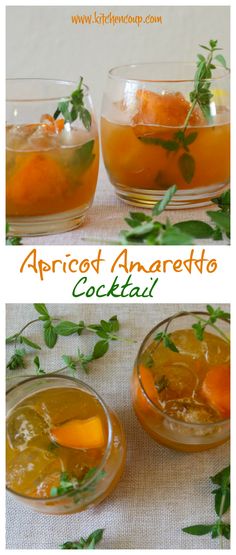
[(31, 226), (185, 198)]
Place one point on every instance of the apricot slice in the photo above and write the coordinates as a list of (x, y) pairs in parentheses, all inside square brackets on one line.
[(40, 178), (216, 388), (52, 125), (169, 109), (147, 380), (148, 383), (80, 434)]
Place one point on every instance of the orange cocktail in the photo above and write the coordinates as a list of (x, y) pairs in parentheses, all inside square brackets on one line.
[(142, 129), (182, 397), (65, 449), (51, 164)]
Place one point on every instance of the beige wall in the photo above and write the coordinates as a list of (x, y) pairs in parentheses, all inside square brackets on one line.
[(42, 42)]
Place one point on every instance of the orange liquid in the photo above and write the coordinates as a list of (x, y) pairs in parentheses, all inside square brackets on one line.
[(49, 173), (174, 383), (35, 463), (133, 164)]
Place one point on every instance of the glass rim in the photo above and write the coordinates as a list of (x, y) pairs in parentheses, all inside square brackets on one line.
[(111, 73), (147, 337), (109, 438), (44, 80)]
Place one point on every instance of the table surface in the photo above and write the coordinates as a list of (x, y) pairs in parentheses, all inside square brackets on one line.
[(161, 490), (105, 219)]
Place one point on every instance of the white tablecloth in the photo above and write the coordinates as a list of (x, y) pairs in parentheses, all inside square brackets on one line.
[(161, 490)]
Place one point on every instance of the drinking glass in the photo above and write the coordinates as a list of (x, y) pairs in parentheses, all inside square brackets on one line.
[(153, 137), (95, 487), (51, 165), (185, 421)]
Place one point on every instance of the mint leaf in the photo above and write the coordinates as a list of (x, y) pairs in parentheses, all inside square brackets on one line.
[(83, 156), (220, 58), (50, 335), (66, 328), (198, 529), (161, 205), (167, 144), (196, 228), (90, 543), (100, 349), (221, 219), (29, 343), (187, 167), (222, 478), (167, 341), (39, 370), (41, 309), (17, 360), (199, 330)]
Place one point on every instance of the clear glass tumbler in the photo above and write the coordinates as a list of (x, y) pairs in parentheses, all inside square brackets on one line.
[(40, 457), (153, 137), (51, 165), (167, 386)]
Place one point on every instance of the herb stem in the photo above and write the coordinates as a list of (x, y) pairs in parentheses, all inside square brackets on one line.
[(220, 517), (213, 326), (196, 101), (18, 334), (189, 115)]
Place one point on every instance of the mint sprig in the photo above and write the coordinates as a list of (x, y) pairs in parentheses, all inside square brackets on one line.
[(89, 543), (200, 96), (147, 230), (198, 327), (73, 107), (70, 484), (53, 328), (202, 323), (219, 528)]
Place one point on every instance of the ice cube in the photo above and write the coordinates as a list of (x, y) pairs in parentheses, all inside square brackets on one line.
[(176, 380), (26, 469), (42, 138), (217, 351), (23, 425), (191, 411), (17, 136), (43, 489)]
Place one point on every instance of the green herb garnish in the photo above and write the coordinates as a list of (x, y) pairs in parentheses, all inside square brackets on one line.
[(17, 360), (162, 383), (219, 528), (89, 543), (70, 484), (200, 96), (39, 370), (198, 327), (13, 240), (147, 230), (53, 327), (83, 157), (167, 341), (73, 107), (214, 315)]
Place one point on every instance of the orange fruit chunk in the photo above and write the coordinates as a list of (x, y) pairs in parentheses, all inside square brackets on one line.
[(80, 434), (216, 388), (147, 380), (148, 383), (168, 109), (54, 125), (40, 178)]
